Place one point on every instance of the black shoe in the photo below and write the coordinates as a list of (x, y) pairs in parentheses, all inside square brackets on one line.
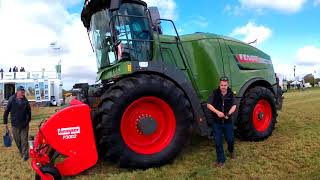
[(232, 156), (25, 158), (218, 165)]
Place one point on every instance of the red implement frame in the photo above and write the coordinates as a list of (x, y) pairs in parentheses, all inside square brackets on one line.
[(69, 132)]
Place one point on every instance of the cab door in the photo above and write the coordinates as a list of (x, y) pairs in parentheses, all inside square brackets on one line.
[(226, 62)]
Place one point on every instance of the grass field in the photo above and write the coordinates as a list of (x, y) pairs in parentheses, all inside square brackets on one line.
[(292, 152)]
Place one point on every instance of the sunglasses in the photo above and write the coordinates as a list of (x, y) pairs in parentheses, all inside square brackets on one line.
[(224, 79)]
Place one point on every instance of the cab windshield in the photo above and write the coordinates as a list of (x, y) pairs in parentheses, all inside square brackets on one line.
[(127, 35), (100, 34)]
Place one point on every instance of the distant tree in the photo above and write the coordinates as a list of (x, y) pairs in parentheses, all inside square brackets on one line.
[(309, 78), (317, 80)]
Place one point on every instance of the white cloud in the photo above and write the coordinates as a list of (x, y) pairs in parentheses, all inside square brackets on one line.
[(29, 26), (233, 10), (167, 8), (302, 70), (28, 29), (65, 3), (285, 70), (251, 32), (307, 61), (308, 55), (259, 6), (287, 6)]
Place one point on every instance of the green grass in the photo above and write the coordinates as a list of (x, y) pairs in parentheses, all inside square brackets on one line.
[(292, 152)]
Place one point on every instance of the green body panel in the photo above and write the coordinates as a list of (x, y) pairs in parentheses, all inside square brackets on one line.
[(205, 63), (117, 70), (239, 77), (207, 58)]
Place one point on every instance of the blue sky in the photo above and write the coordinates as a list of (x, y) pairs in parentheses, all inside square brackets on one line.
[(292, 26)]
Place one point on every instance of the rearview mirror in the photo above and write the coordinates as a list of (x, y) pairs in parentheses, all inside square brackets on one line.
[(155, 15)]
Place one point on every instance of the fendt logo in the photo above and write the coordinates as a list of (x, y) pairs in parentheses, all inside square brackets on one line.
[(69, 133)]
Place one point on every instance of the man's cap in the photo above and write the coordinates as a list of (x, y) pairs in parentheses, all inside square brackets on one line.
[(224, 78), (20, 88)]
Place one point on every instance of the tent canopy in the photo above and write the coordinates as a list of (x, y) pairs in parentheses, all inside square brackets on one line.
[(295, 83)]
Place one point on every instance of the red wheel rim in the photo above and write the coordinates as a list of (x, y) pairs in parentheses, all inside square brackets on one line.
[(262, 115), (160, 112), (49, 177)]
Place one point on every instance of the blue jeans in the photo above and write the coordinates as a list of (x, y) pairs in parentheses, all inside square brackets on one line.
[(220, 130)]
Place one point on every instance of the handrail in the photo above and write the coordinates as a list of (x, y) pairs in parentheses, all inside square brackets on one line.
[(28, 75)]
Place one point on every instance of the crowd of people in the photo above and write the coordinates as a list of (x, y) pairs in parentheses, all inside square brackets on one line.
[(14, 69)]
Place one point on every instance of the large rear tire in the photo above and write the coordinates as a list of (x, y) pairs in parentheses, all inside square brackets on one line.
[(257, 114), (143, 121)]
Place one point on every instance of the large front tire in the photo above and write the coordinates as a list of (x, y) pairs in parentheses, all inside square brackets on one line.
[(257, 114), (143, 121)]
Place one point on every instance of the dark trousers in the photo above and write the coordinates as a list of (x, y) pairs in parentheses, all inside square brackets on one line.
[(220, 130), (20, 136)]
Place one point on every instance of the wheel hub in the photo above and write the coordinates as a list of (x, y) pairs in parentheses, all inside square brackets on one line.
[(146, 125), (260, 115)]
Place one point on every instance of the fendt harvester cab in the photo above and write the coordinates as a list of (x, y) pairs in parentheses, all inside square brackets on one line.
[(152, 88)]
